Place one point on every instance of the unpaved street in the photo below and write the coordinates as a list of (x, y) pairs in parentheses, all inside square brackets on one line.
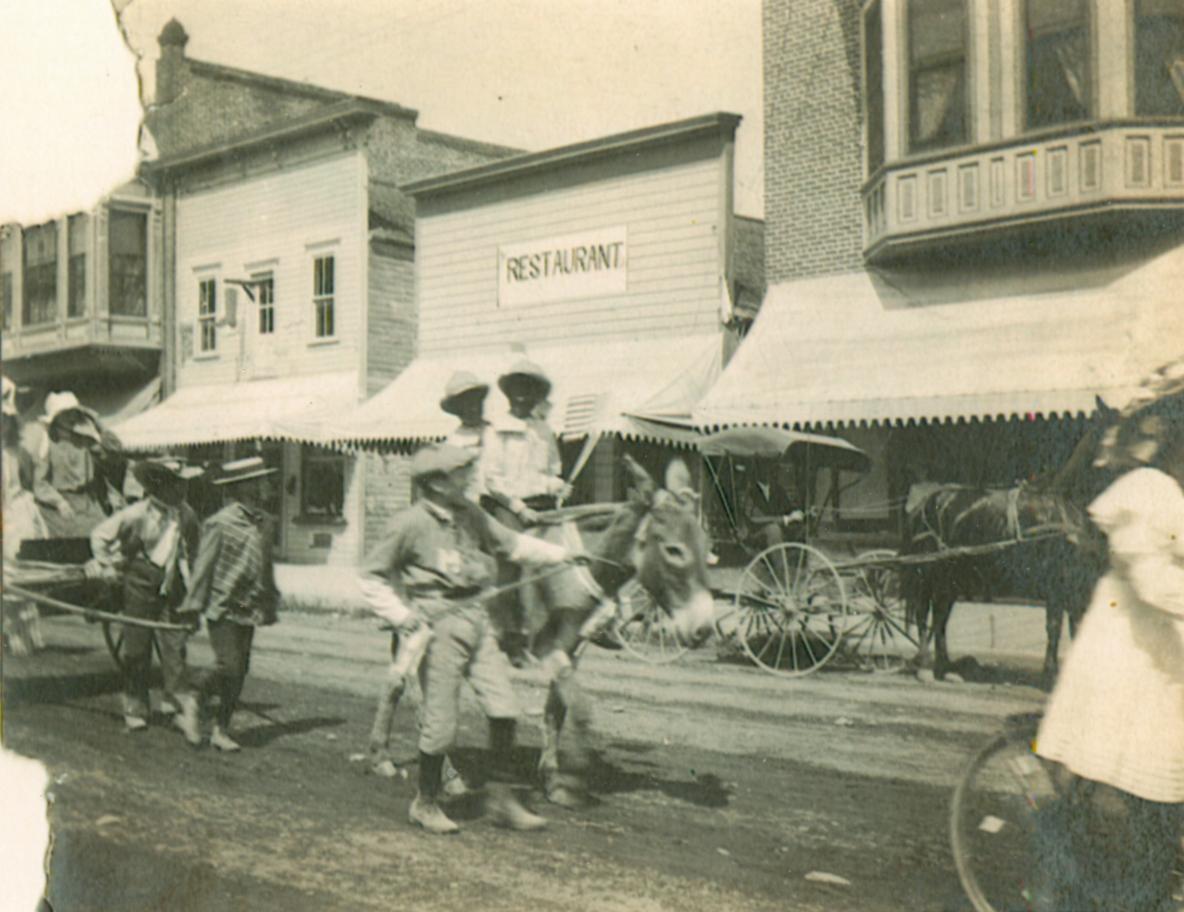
[(720, 788)]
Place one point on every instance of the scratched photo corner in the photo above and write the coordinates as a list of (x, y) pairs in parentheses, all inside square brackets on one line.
[(588, 455)]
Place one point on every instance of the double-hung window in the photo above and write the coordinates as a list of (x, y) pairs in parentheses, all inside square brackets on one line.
[(207, 315), (873, 84), (323, 285), (1159, 58), (939, 107), (1059, 71), (40, 303), (78, 232), (127, 275), (264, 283)]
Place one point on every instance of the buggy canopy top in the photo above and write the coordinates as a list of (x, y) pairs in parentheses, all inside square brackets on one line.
[(774, 443)]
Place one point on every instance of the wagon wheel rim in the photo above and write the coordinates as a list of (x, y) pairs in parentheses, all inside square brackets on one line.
[(879, 637), (791, 610), (113, 636), (642, 631)]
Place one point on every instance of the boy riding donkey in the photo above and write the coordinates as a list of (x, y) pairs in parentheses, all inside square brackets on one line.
[(438, 559)]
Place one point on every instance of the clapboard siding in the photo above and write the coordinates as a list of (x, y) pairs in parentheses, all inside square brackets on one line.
[(277, 223), (672, 206)]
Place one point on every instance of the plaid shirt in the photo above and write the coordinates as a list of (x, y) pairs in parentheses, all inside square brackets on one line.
[(233, 577)]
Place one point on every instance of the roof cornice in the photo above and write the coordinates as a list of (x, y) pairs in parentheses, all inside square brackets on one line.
[(534, 162), (347, 112), (279, 83)]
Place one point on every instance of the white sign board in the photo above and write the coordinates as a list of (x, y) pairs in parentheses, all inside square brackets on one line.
[(585, 265)]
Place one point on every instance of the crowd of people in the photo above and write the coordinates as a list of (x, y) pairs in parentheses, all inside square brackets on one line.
[(1114, 723)]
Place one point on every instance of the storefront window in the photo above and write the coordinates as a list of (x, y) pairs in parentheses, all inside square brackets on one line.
[(1058, 62), (322, 483), (41, 280), (1159, 58), (128, 264), (873, 89), (938, 105)]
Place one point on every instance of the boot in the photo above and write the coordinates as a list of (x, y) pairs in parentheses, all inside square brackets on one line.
[(187, 719), (507, 811), (222, 741), (134, 723), (425, 812)]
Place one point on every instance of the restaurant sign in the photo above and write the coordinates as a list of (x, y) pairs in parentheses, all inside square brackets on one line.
[(585, 265)]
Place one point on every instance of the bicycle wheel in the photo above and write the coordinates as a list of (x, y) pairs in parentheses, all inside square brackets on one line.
[(995, 817)]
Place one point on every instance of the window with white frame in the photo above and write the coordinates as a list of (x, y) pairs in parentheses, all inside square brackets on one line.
[(939, 106), (1058, 67), (323, 285), (127, 263), (264, 283), (207, 315), (41, 274), (1159, 58)]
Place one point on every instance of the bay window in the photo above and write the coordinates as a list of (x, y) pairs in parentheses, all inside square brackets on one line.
[(40, 303), (1159, 58), (127, 268), (938, 104), (1058, 65)]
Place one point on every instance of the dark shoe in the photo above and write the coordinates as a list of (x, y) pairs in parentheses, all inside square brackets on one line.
[(606, 639), (426, 813)]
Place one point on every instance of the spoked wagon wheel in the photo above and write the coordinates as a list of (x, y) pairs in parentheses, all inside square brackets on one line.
[(878, 636), (994, 818), (791, 610), (113, 636), (643, 630)]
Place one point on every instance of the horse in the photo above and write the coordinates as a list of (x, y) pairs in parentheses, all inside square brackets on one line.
[(1054, 553), (655, 537)]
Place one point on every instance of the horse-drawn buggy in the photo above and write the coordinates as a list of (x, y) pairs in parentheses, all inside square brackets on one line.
[(800, 593)]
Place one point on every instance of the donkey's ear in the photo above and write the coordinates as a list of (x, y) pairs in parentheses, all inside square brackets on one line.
[(1104, 410), (641, 486), (678, 478)]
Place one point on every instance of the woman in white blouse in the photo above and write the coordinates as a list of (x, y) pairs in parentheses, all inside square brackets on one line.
[(1116, 717)]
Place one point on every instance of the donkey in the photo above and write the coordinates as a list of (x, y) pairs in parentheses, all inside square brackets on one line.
[(654, 536), (1057, 557)]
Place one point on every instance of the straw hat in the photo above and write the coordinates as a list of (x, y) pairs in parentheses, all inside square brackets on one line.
[(460, 384), (239, 470), (524, 374), (440, 459)]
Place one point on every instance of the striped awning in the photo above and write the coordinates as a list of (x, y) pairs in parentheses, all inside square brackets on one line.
[(272, 409), (624, 387), (863, 348)]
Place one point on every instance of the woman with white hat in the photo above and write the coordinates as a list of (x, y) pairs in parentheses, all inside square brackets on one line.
[(70, 483)]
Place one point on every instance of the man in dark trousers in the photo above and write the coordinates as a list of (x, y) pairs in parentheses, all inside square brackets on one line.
[(150, 546), (233, 584), (432, 569)]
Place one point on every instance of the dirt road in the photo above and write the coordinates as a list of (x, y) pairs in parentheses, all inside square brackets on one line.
[(721, 788)]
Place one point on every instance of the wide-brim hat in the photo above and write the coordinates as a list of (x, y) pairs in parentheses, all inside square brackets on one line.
[(154, 474), (239, 470), (524, 373), (462, 383), (440, 459)]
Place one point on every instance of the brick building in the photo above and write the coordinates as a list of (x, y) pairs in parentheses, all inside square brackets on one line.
[(975, 225), (287, 280)]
